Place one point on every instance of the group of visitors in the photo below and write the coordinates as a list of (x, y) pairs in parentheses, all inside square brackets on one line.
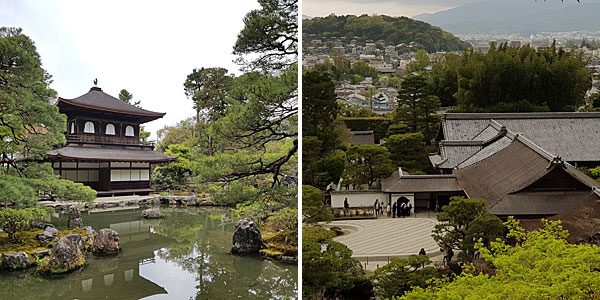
[(378, 206), (401, 207)]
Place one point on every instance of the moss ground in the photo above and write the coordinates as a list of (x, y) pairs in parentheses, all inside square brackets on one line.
[(26, 241), (278, 242)]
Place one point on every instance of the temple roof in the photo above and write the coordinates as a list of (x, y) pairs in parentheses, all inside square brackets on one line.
[(110, 154), (97, 100), (572, 136), (523, 178)]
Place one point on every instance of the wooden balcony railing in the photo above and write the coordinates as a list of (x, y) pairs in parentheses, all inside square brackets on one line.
[(109, 140)]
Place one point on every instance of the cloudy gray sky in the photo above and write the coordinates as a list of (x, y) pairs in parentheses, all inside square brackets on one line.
[(146, 47), (409, 8)]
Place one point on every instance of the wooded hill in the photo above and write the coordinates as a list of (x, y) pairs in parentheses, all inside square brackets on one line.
[(393, 30)]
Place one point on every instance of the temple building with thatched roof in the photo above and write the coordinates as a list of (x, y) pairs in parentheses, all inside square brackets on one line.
[(103, 147)]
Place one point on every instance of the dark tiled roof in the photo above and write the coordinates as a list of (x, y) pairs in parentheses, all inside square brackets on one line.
[(110, 154), (97, 99), (504, 177), (419, 183), (572, 136)]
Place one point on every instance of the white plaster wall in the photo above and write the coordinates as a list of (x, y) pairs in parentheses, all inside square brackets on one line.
[(357, 199)]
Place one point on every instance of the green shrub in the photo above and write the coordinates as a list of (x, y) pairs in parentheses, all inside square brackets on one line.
[(401, 275), (15, 220)]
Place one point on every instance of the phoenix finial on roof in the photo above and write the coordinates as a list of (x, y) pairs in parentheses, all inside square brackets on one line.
[(96, 82)]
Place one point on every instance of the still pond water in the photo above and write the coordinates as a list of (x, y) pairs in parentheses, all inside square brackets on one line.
[(183, 256)]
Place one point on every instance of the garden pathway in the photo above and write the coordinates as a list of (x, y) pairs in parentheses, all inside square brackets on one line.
[(375, 241)]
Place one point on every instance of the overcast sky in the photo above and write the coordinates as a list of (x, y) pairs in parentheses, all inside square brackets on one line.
[(408, 8), (146, 47)]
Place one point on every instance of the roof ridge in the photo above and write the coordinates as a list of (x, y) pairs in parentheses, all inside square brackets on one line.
[(529, 115), (539, 150)]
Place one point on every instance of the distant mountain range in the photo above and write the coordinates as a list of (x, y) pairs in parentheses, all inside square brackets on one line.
[(523, 16)]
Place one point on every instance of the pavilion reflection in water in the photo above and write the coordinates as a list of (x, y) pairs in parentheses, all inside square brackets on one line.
[(103, 277)]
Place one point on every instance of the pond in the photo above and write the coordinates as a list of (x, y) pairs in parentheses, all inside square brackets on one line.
[(183, 256)]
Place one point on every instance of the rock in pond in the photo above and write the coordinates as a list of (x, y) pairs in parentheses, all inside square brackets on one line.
[(106, 242), (48, 235), (88, 239), (246, 238), (66, 256), (17, 260), (152, 213), (75, 220)]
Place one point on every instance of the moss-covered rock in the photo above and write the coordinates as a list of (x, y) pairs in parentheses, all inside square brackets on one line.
[(66, 256), (17, 260)]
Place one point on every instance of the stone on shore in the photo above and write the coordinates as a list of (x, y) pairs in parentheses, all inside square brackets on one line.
[(106, 242), (47, 235), (66, 256), (75, 220), (152, 213), (17, 260), (246, 238)]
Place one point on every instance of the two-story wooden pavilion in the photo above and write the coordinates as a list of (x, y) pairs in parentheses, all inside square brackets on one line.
[(103, 147)]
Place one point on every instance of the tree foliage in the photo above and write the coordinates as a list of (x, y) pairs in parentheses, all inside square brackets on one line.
[(270, 33), (126, 97), (415, 106), (421, 62), (29, 125), (408, 152), (401, 275), (15, 220), (465, 222), (507, 79), (394, 30), (367, 164), (266, 114), (328, 269), (541, 265), (208, 88), (313, 208)]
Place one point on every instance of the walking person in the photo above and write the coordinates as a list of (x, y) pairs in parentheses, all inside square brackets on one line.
[(408, 208), (394, 206), (346, 204), (388, 210), (403, 209), (376, 207), (380, 207)]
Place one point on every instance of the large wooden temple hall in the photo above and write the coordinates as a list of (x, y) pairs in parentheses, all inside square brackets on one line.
[(103, 148)]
